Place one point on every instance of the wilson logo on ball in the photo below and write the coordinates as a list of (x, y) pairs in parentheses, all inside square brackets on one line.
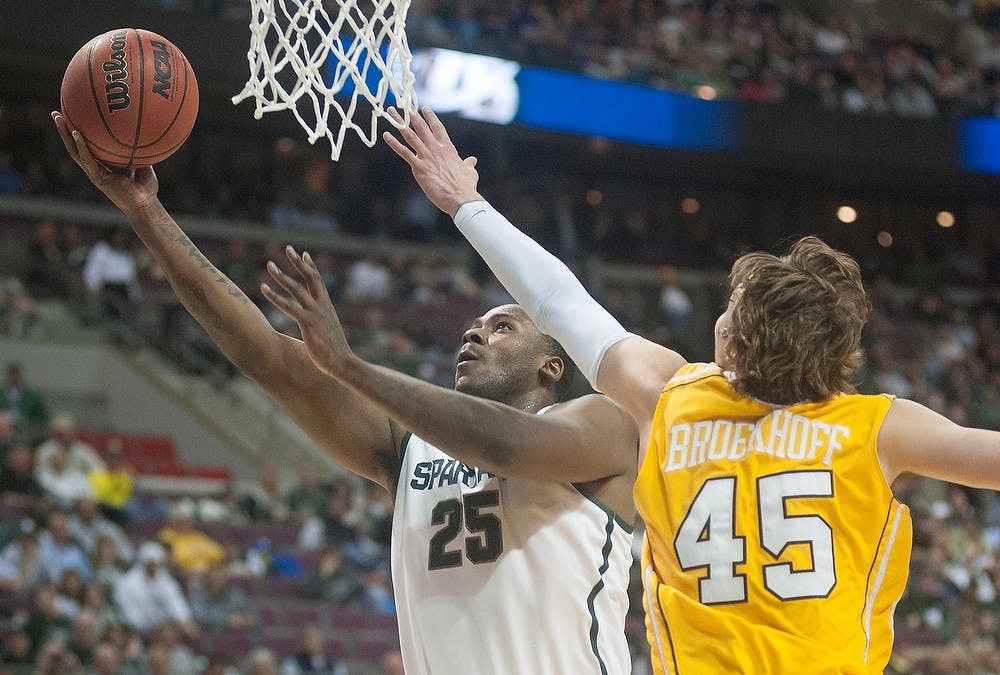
[(116, 67), (162, 70), (133, 96)]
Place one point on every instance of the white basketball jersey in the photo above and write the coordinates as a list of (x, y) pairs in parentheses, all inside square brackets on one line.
[(497, 576)]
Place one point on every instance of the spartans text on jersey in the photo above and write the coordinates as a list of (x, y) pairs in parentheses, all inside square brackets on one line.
[(439, 472)]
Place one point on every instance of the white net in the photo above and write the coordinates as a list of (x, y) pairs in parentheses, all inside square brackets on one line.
[(333, 55)]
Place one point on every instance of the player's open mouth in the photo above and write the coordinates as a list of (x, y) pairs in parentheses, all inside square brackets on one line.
[(465, 355)]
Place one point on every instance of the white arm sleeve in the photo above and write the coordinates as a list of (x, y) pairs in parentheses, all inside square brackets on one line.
[(547, 290)]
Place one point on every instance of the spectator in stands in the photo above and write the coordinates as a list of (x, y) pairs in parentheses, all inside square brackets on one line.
[(6, 436), (106, 661), (49, 274), (227, 507), (95, 601), (18, 313), (83, 637), (71, 239), (106, 564), (259, 557), (113, 485), (262, 502), (87, 525), (20, 562), (219, 665), (237, 565), (335, 581), (57, 550), (378, 592), (911, 99), (18, 486), (261, 661), (217, 605), (309, 495), (181, 658), (338, 505), (55, 659), (15, 654), (111, 275), (149, 597), (158, 662), (63, 485), (80, 456), (47, 621), (25, 404), (378, 514), (368, 280), (370, 550), (675, 304), (69, 592), (129, 647), (190, 550), (312, 657)]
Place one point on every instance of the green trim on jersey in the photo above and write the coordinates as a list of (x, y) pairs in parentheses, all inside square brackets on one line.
[(402, 451), (604, 507), (598, 587)]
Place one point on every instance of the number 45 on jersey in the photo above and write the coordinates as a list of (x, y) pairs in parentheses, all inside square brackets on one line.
[(707, 538)]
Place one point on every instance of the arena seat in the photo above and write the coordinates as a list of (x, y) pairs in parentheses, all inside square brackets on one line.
[(157, 465)]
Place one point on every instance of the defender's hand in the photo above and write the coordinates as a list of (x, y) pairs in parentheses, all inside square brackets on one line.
[(131, 191), (448, 180), (309, 304)]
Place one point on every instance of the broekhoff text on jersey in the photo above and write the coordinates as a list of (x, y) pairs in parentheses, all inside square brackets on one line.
[(781, 434)]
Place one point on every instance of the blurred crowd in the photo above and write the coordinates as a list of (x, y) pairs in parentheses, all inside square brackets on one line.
[(579, 214), (756, 50), (98, 578)]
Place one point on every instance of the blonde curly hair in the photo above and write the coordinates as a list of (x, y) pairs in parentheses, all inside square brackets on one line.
[(795, 334)]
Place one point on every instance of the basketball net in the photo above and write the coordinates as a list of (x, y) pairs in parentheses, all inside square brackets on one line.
[(300, 53)]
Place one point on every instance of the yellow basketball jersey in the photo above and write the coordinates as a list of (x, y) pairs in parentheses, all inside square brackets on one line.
[(773, 542)]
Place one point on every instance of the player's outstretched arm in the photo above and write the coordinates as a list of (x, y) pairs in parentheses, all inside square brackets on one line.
[(628, 368), (915, 439), (351, 429), (579, 441)]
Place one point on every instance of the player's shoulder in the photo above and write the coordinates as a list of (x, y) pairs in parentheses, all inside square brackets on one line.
[(586, 403), (598, 411), (693, 372), (602, 426)]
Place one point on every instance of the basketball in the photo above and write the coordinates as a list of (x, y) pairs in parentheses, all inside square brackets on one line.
[(132, 95)]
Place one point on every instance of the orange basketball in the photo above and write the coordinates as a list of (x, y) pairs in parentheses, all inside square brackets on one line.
[(132, 95)]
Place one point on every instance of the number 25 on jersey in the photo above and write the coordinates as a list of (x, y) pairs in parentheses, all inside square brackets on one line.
[(485, 541)]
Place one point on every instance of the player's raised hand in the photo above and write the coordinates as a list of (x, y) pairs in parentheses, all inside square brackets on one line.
[(448, 180), (130, 190), (308, 303)]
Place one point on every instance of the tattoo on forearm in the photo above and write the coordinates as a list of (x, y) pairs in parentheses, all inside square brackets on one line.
[(202, 307), (203, 263)]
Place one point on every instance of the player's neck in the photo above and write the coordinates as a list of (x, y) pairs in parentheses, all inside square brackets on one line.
[(532, 402)]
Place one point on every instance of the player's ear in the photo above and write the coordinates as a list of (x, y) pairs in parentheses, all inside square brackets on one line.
[(552, 370)]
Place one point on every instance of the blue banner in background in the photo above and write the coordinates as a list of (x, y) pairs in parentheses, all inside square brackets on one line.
[(499, 91), (979, 144), (631, 113)]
